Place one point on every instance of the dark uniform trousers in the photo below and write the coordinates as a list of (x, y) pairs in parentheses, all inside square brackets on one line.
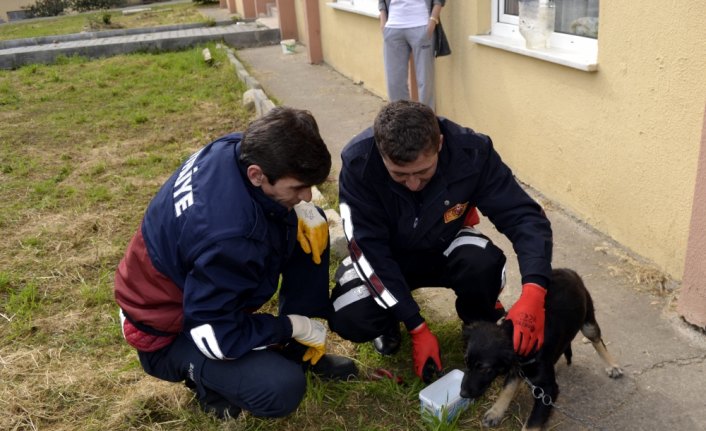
[(472, 266), (266, 382)]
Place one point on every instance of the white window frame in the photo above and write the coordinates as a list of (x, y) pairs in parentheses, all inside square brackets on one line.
[(503, 17), (362, 7), (565, 49)]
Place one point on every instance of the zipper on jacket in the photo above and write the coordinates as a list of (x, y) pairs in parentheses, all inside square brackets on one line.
[(417, 198)]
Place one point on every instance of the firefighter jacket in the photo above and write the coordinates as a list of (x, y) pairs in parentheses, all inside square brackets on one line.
[(383, 220), (209, 252)]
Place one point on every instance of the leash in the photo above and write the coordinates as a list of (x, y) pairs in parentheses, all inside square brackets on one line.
[(546, 399), (385, 374)]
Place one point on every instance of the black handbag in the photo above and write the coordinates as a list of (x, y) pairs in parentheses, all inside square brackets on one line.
[(441, 43)]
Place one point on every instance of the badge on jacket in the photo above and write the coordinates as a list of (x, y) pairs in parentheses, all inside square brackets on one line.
[(455, 212)]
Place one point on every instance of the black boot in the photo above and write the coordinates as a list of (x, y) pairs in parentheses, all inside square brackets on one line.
[(389, 342), (214, 403), (219, 406), (334, 367), (329, 367)]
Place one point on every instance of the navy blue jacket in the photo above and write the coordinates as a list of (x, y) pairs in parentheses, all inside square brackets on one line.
[(212, 237), (382, 219)]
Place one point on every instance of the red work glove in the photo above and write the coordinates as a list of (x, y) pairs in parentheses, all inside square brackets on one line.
[(425, 346), (527, 317)]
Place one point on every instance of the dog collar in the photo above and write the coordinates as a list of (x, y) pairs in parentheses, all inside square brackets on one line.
[(532, 360)]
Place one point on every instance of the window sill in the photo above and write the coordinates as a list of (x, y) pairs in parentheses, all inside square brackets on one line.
[(588, 62), (348, 7)]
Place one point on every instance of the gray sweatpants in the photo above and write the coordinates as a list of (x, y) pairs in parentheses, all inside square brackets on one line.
[(398, 44)]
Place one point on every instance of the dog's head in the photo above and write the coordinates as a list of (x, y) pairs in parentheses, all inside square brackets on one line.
[(489, 353)]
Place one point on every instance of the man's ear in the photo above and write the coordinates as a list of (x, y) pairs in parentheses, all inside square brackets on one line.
[(441, 142), (255, 175)]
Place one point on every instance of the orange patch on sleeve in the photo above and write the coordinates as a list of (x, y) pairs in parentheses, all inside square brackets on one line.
[(455, 212)]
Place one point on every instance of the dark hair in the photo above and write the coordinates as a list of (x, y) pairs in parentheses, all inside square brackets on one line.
[(286, 142), (404, 130)]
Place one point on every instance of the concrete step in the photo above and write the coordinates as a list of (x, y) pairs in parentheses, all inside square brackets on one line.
[(239, 35), (269, 21), (43, 40)]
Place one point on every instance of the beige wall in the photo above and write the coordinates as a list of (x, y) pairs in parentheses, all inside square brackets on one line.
[(12, 5), (300, 7), (352, 44), (245, 8), (617, 147)]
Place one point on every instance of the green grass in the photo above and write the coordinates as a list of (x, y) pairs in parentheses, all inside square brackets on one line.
[(84, 145), (93, 21)]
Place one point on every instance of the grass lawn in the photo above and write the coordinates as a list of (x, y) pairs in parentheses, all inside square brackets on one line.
[(181, 13), (84, 145)]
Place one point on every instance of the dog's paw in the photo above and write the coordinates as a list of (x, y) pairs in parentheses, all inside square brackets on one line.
[(614, 372), (492, 418)]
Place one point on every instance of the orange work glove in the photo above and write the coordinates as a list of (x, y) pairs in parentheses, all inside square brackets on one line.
[(312, 230), (425, 346), (527, 317)]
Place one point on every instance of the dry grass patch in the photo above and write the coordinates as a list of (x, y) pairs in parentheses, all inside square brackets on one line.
[(85, 147)]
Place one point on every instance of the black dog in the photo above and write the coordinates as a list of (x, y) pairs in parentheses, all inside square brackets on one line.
[(569, 308)]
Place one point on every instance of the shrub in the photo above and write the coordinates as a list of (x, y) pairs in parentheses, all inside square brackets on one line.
[(56, 7), (86, 5), (101, 21), (46, 8)]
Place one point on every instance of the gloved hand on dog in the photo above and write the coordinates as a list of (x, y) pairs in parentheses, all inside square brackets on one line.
[(425, 347), (312, 230), (310, 333), (527, 317)]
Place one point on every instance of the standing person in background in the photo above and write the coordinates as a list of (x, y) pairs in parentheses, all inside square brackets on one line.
[(211, 250), (408, 28)]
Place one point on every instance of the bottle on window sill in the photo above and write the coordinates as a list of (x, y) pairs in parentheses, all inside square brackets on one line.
[(536, 22)]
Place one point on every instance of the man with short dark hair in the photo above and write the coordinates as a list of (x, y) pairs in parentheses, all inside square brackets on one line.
[(210, 252), (409, 189)]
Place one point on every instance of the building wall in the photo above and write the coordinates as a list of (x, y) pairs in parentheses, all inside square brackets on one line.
[(692, 298), (617, 147), (261, 7), (12, 5), (352, 44), (245, 8), (300, 6)]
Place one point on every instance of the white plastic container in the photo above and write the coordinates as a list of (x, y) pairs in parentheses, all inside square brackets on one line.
[(444, 394), (289, 46)]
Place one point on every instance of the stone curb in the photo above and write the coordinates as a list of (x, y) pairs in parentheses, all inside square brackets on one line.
[(255, 98), (241, 35), (45, 40)]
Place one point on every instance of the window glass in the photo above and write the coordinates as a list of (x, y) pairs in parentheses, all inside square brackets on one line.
[(573, 17), (511, 7)]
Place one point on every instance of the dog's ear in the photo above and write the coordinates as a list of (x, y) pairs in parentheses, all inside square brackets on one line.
[(468, 328), (507, 327)]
